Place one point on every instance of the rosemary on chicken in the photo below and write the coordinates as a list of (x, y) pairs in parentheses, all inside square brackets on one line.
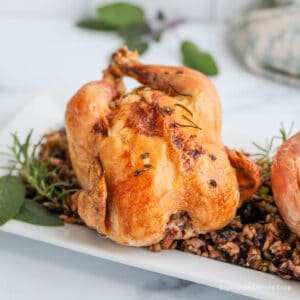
[(192, 122), (172, 90), (185, 108)]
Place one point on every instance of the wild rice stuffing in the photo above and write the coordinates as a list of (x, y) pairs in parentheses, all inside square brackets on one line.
[(257, 238)]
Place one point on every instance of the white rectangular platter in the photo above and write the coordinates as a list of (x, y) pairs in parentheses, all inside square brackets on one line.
[(46, 112)]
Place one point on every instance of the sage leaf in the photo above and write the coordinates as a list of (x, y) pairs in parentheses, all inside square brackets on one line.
[(12, 195), (121, 15), (136, 44), (137, 31), (95, 24), (198, 60), (34, 213)]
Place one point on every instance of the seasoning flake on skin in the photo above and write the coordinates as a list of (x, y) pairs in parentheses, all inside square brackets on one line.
[(212, 157), (213, 183), (138, 172), (144, 155)]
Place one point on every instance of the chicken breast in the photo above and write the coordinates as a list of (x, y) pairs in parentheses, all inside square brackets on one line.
[(145, 155)]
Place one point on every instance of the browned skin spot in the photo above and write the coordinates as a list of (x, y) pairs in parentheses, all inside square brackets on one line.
[(101, 127), (191, 150), (177, 140), (193, 153), (146, 119), (109, 118)]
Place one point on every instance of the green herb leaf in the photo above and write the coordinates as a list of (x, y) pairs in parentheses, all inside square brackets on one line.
[(95, 24), (136, 44), (198, 60), (156, 35), (121, 15), (34, 213), (12, 195), (135, 32)]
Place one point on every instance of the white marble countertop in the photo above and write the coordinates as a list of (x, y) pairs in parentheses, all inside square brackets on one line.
[(41, 54)]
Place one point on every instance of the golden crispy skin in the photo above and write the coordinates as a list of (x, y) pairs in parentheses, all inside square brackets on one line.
[(157, 149), (285, 180), (86, 116)]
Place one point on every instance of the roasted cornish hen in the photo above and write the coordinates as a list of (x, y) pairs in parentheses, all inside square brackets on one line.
[(148, 154)]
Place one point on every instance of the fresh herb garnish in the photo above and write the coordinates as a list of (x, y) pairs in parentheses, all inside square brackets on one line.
[(136, 44), (35, 172), (46, 180), (192, 122), (34, 213), (121, 15), (185, 108), (176, 124), (12, 195), (172, 90), (95, 24), (266, 152), (196, 59), (130, 23)]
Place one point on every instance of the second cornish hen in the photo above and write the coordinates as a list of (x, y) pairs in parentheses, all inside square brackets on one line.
[(153, 153)]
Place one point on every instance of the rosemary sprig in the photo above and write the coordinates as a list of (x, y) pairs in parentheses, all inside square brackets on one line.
[(176, 92), (266, 152), (174, 124), (185, 108), (37, 174), (192, 122), (285, 134)]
